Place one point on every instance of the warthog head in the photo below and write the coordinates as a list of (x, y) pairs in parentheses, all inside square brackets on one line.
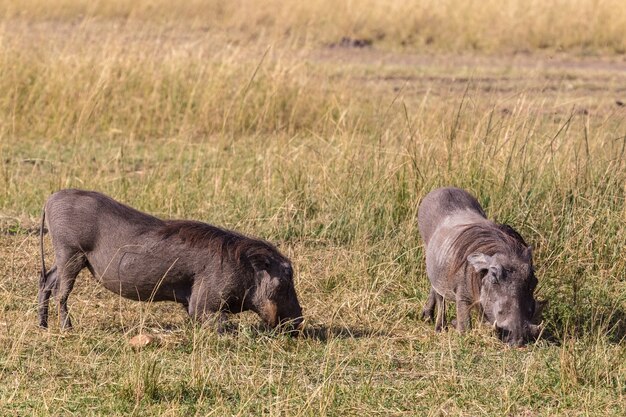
[(506, 294), (275, 299)]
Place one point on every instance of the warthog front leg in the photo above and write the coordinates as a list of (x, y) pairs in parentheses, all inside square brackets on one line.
[(463, 317), (440, 322), (222, 321), (206, 308), (214, 319), (428, 313)]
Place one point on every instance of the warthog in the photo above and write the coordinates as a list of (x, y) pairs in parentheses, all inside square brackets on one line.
[(205, 268), (476, 263)]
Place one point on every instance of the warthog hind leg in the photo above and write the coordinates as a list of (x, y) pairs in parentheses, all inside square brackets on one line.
[(48, 286), (68, 268)]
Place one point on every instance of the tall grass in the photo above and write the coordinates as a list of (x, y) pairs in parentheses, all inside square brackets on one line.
[(207, 111), (586, 26)]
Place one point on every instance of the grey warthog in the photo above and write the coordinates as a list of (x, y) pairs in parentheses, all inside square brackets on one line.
[(206, 269), (476, 263)]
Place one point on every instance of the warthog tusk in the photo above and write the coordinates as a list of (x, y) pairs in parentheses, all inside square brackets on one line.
[(535, 329)]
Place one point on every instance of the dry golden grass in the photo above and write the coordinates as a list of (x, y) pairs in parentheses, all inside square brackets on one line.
[(589, 26), (241, 114)]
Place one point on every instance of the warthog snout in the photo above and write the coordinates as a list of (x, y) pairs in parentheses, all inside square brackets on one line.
[(519, 336), (292, 321), (286, 316)]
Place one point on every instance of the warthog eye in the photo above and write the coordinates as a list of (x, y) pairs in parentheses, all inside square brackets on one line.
[(287, 271), (284, 287)]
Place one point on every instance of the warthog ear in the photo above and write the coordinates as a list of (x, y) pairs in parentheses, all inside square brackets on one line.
[(261, 274), (259, 262), (479, 261), (485, 263)]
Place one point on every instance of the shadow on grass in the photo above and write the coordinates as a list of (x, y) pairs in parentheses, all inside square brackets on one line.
[(323, 333), (617, 327), (314, 332), (582, 323)]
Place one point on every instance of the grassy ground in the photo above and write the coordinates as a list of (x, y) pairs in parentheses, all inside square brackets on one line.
[(262, 122)]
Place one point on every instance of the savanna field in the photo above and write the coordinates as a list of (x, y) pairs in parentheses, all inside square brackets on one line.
[(319, 126)]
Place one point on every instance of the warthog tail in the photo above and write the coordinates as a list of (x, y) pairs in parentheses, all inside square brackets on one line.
[(42, 279)]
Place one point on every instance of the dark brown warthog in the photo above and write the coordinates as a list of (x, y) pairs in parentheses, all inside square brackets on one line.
[(207, 269), (476, 263)]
